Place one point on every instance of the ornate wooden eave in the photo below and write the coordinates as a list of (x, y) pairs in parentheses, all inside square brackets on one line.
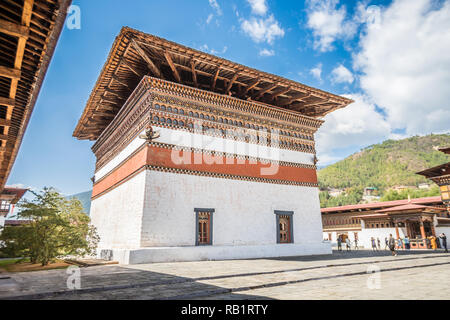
[(135, 54), (29, 31)]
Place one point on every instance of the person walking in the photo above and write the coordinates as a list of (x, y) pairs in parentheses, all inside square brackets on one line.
[(406, 242), (339, 243), (391, 243), (400, 243), (386, 243), (379, 243), (443, 238), (374, 245), (356, 243), (348, 243)]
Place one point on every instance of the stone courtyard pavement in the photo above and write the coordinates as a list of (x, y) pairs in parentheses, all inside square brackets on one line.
[(343, 275)]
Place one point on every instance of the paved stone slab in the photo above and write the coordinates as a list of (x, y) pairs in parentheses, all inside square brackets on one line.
[(244, 279)]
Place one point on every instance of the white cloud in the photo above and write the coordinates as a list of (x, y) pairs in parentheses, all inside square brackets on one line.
[(216, 7), (404, 65), (258, 6), (208, 20), (357, 125), (317, 72), (341, 74), (266, 52), (205, 48), (262, 29), (328, 23)]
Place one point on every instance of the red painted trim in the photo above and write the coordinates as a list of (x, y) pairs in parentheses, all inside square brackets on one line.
[(162, 157)]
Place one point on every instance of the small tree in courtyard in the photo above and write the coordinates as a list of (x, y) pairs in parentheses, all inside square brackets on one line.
[(57, 227)]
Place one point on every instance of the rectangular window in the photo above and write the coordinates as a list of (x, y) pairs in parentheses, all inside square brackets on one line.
[(203, 226), (284, 226), (5, 205)]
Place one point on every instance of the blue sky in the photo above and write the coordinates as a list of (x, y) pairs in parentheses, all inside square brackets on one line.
[(388, 56)]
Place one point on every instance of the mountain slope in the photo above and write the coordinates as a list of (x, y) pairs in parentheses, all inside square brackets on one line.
[(388, 164)]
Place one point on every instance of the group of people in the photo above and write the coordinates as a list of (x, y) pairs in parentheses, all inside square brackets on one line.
[(348, 243), (392, 244), (399, 243), (389, 243), (434, 243)]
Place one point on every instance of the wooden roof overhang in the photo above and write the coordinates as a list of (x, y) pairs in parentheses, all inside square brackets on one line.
[(436, 172), (371, 207), (135, 54), (411, 208), (29, 30), (12, 195)]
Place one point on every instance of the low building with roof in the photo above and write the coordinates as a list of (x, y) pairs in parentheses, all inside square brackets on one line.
[(417, 219), (8, 199)]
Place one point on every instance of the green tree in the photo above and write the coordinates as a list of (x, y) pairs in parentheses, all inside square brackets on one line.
[(412, 193), (57, 227)]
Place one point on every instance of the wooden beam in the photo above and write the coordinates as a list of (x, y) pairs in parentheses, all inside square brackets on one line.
[(5, 122), (10, 73), (124, 62), (230, 83), (13, 29), (20, 51), (104, 114), (317, 103), (111, 108), (295, 97), (266, 89), (7, 102), (120, 82), (194, 73), (151, 65), (3, 137), (118, 95), (251, 85), (280, 92), (214, 80), (107, 101), (27, 12), (172, 66)]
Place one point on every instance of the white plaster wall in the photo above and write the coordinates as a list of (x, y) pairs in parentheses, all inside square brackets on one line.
[(200, 141), (170, 254), (2, 221), (382, 233), (244, 210), (125, 153), (117, 215)]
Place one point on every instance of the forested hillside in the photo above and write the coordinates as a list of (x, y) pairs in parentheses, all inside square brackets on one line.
[(388, 164)]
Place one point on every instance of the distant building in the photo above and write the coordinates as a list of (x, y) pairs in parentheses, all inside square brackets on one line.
[(16, 223), (401, 188), (415, 218), (370, 191), (8, 199), (335, 192), (424, 186)]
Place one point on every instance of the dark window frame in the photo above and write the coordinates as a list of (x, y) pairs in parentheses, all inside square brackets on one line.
[(279, 213), (211, 225)]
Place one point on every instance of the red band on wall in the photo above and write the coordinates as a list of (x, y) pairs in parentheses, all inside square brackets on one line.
[(187, 160)]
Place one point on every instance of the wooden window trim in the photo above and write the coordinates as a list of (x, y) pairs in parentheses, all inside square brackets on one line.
[(211, 225), (279, 213)]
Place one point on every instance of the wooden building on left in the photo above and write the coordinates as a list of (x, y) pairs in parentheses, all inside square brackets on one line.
[(29, 31)]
